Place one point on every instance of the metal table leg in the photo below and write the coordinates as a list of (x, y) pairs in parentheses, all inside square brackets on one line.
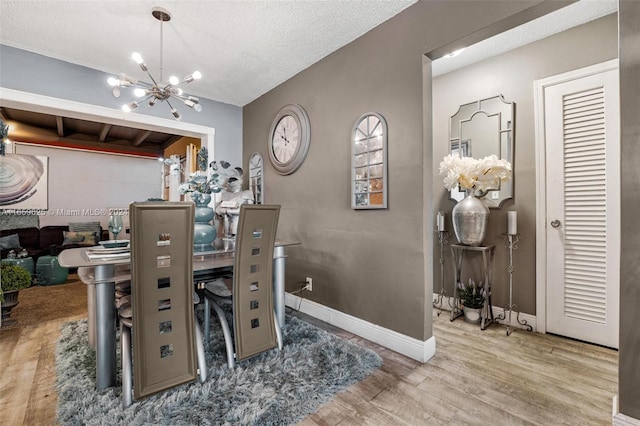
[(91, 315), (487, 311), (458, 255), (105, 327), (278, 283)]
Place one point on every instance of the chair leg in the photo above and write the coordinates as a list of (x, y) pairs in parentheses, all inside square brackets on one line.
[(278, 332), (207, 319), (202, 365), (228, 341), (125, 346)]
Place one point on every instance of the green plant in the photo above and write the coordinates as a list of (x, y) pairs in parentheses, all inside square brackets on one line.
[(471, 295), (14, 277)]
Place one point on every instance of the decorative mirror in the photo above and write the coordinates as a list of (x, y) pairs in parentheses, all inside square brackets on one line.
[(479, 129), (256, 168), (369, 162)]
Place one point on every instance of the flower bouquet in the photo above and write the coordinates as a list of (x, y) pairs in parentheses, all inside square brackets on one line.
[(480, 175), (221, 176)]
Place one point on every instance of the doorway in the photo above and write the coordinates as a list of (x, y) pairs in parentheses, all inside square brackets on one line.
[(578, 203)]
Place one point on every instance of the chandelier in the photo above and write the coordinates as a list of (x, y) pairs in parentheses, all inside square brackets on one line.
[(156, 90)]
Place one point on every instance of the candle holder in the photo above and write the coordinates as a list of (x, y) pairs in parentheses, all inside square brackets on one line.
[(512, 240), (443, 238)]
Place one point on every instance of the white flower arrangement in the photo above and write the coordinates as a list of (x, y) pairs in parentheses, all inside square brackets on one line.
[(220, 177), (478, 174)]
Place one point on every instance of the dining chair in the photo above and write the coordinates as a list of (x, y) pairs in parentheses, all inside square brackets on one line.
[(250, 292), (167, 345)]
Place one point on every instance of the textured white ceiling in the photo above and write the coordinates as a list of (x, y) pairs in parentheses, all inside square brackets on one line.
[(562, 19), (242, 48)]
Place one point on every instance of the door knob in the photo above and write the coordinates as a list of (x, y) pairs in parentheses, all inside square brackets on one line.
[(555, 223)]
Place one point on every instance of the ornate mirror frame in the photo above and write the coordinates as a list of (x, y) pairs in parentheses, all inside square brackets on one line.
[(482, 128)]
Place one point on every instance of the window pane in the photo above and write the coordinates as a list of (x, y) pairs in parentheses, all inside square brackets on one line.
[(375, 143), (375, 185), (375, 157), (361, 173), (361, 199), (375, 171), (361, 160)]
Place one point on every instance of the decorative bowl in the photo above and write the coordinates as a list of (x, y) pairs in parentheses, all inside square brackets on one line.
[(114, 243)]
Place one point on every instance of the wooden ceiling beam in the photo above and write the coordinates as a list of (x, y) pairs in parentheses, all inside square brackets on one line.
[(31, 134), (60, 126), (170, 141), (142, 135), (104, 131)]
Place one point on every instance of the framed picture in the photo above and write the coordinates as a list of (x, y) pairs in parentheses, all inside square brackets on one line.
[(24, 181)]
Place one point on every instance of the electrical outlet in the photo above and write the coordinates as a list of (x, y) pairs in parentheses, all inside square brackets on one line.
[(309, 283)]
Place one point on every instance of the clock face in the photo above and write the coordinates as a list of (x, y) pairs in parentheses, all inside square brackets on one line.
[(286, 139), (289, 139)]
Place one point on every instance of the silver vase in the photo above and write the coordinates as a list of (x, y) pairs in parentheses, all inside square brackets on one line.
[(470, 218)]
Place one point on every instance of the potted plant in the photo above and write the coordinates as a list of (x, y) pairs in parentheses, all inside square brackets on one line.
[(13, 279), (472, 298)]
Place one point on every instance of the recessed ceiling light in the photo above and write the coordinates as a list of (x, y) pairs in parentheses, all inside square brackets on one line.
[(454, 53)]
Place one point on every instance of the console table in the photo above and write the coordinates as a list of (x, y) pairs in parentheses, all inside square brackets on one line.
[(458, 251)]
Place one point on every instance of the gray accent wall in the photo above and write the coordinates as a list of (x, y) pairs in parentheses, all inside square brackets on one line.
[(629, 357), (512, 74), (376, 264), (34, 73)]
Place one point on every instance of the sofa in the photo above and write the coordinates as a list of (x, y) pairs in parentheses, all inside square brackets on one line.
[(48, 240)]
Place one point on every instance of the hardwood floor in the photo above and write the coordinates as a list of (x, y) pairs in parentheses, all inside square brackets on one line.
[(476, 377)]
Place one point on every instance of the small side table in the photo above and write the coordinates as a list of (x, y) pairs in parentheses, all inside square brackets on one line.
[(458, 252)]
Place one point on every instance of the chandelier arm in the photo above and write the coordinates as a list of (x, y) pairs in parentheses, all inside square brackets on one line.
[(153, 79)]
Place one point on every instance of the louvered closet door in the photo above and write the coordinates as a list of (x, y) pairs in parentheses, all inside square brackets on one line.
[(582, 134)]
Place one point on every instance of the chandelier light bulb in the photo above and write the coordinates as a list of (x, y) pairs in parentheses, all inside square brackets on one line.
[(173, 80), (197, 107), (196, 75), (137, 58), (139, 93), (152, 101), (113, 82), (130, 106), (177, 91)]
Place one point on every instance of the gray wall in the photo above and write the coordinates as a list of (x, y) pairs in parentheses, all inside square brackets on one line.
[(374, 265), (629, 357), (34, 73), (512, 74)]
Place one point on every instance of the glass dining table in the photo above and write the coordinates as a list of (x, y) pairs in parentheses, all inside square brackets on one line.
[(101, 294)]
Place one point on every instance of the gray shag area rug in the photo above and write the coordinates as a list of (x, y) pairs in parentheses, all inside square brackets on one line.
[(274, 388)]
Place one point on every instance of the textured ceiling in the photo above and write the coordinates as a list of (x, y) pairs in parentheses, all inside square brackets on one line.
[(242, 48)]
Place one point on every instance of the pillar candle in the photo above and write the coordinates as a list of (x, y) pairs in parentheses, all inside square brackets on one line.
[(440, 221), (512, 223)]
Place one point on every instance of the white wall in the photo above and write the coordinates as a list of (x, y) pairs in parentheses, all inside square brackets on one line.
[(84, 185)]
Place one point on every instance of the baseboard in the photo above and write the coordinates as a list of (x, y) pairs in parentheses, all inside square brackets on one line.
[(620, 419), (408, 346), (529, 319)]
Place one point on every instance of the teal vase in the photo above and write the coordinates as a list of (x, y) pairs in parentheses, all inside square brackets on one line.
[(203, 232)]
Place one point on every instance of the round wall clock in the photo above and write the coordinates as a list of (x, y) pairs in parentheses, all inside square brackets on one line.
[(289, 139)]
